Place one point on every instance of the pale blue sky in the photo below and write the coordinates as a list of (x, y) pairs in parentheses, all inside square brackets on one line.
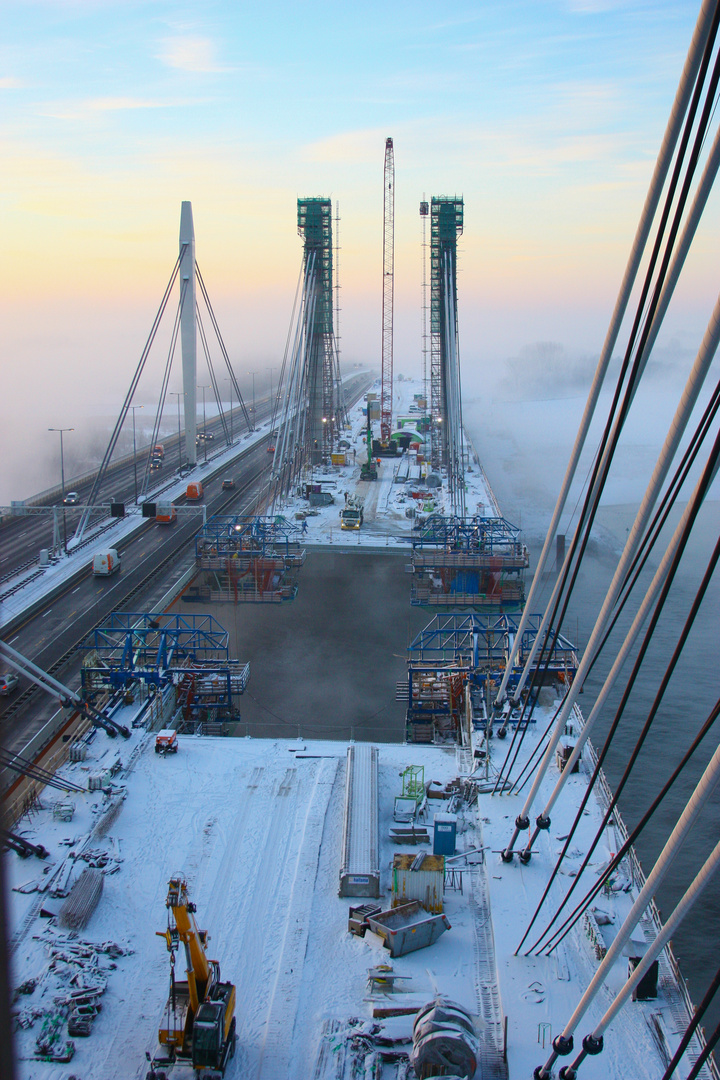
[(545, 116)]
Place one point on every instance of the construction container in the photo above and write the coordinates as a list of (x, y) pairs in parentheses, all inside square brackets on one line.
[(647, 988), (360, 868), (444, 834), (338, 459), (407, 928), (320, 498), (419, 877)]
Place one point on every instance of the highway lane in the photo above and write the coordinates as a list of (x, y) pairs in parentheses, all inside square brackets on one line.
[(68, 618), (22, 538), (48, 635)]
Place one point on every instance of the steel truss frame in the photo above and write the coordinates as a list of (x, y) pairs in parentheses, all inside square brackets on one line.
[(250, 559), (446, 437), (480, 644), (468, 562)]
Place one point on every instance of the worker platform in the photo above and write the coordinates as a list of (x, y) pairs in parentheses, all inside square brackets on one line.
[(247, 559), (473, 561), (178, 663)]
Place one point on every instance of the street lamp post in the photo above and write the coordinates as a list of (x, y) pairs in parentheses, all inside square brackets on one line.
[(254, 373), (272, 410), (174, 393), (62, 479), (204, 388), (134, 407), (231, 410)]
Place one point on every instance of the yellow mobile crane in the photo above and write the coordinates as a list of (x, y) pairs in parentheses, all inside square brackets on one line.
[(198, 1025)]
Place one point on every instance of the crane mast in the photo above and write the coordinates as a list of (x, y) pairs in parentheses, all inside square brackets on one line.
[(388, 294)]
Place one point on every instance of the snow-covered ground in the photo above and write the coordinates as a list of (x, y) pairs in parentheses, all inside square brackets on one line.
[(255, 827)]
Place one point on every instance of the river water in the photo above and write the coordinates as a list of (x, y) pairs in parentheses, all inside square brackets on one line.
[(524, 447)]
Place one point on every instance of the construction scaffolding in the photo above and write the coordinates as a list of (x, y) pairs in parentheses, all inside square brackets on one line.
[(312, 404), (456, 662), (446, 437), (247, 560), (156, 654), (476, 562)]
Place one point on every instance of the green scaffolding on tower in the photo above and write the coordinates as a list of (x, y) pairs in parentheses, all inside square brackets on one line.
[(446, 224)]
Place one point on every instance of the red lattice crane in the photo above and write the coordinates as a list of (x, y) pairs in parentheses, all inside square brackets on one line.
[(386, 396)]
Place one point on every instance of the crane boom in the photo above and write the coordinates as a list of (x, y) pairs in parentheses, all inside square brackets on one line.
[(198, 1025), (388, 293)]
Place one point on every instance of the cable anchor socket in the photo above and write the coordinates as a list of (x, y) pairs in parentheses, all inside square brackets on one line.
[(562, 1045), (593, 1046)]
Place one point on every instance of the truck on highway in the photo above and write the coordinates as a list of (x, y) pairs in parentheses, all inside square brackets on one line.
[(194, 491), (165, 513), (106, 562), (158, 450)]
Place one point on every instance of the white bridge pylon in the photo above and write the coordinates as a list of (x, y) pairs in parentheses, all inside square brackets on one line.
[(188, 328)]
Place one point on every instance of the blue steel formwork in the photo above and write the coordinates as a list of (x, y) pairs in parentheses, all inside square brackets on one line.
[(248, 559), (460, 650), (156, 649), (472, 561)]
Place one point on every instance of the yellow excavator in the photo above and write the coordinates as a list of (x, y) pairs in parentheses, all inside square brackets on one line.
[(198, 1025)]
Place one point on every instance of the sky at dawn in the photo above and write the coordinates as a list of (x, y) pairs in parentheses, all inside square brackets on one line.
[(545, 116)]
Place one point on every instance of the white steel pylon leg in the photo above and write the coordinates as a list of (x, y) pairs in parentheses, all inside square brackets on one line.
[(188, 328)]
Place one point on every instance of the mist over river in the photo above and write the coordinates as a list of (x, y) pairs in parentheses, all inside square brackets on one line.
[(524, 446)]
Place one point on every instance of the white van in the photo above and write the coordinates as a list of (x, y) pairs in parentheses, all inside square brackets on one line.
[(106, 563)]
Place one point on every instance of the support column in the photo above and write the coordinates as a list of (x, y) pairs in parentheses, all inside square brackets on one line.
[(188, 328)]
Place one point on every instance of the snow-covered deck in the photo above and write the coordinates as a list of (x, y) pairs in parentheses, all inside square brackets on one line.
[(256, 828), (388, 499)]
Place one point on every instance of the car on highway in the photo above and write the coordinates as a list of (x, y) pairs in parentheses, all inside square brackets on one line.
[(8, 683), (156, 463), (71, 499), (227, 484)]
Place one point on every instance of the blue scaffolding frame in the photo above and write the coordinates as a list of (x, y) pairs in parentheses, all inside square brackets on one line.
[(475, 562), (458, 650), (254, 559), (157, 648)]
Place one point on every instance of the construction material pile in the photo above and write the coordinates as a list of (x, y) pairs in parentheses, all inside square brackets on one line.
[(83, 899), (69, 991)]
